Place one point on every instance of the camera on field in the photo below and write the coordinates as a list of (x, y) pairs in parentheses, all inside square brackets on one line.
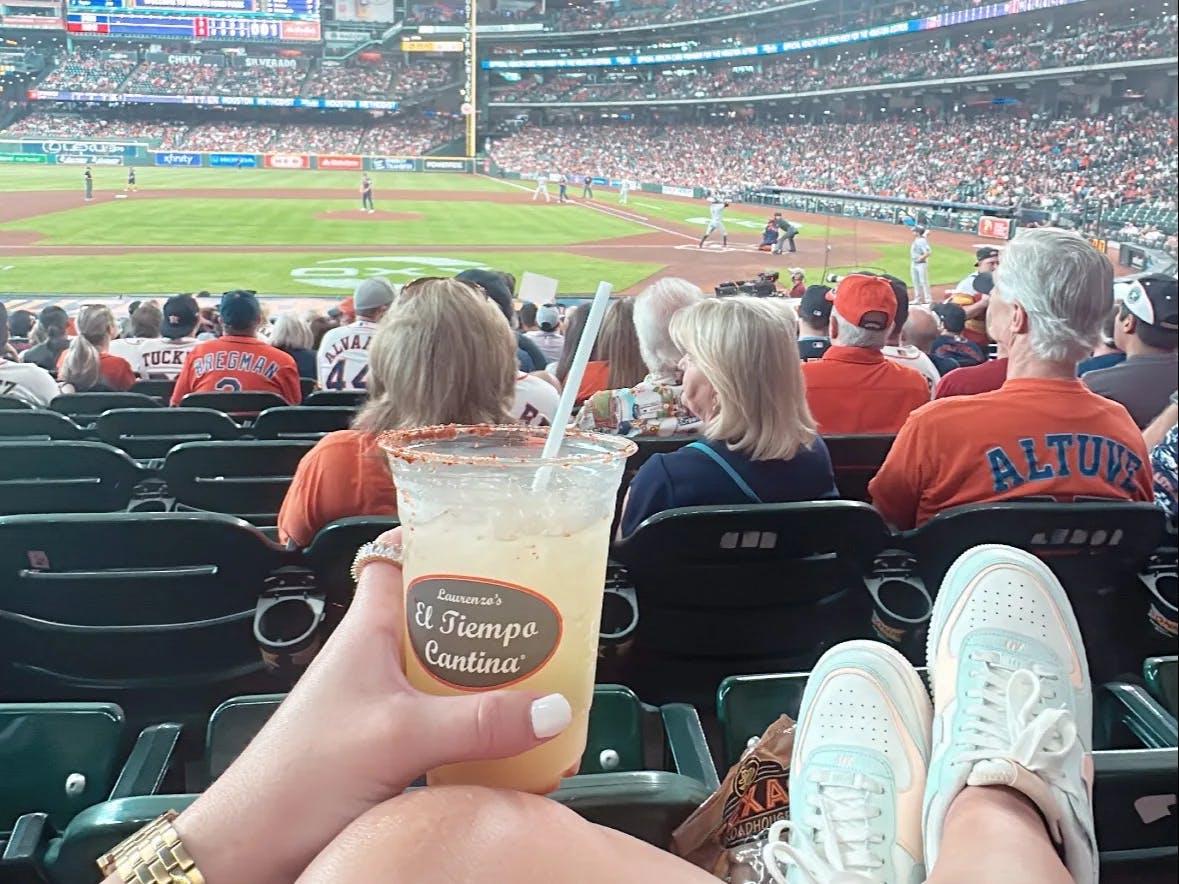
[(764, 286)]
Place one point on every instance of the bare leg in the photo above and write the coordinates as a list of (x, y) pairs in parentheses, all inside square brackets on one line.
[(471, 835), (993, 834)]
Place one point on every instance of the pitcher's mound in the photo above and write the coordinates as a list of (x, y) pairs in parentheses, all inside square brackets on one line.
[(362, 215)]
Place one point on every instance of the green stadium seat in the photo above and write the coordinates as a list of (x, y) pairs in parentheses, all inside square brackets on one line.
[(65, 477), (239, 406), (301, 422), (1096, 549), (11, 403), (856, 460), (757, 588), (57, 758), (336, 398), (332, 550), (244, 479), (306, 387), (158, 389), (37, 426), (150, 433), (1162, 679), (84, 408), (151, 610)]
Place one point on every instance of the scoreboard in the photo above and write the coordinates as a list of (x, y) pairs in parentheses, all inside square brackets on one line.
[(237, 20)]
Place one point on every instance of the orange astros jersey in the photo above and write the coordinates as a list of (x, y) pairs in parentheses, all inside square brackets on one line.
[(233, 364)]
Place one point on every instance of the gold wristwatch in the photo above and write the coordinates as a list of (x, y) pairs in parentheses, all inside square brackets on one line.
[(153, 855), (374, 551)]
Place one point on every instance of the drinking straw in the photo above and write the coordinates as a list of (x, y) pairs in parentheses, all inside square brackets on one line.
[(573, 380)]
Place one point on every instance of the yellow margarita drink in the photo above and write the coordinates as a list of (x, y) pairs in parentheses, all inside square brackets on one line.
[(504, 564)]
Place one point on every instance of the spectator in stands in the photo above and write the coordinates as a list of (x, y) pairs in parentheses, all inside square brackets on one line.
[(854, 389), (950, 343), (742, 378), (143, 328), (654, 406), (162, 356), (814, 322), (797, 282), (294, 336), (441, 356), (49, 338), (495, 286), (342, 360), (1106, 354), (1147, 331), (20, 326), (903, 354), (920, 331), (320, 326), (1162, 438), (527, 317), (1043, 434), (238, 361), (618, 345), (22, 380), (546, 334), (88, 366), (974, 292)]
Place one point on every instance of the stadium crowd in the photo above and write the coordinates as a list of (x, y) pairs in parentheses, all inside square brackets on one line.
[(1091, 41), (759, 384), (404, 134), (387, 79), (997, 159)]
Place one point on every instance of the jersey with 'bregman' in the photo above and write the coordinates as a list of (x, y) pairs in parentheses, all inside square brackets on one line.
[(233, 364), (342, 362)]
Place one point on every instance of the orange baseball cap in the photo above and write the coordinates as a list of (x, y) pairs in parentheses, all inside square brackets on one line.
[(868, 301)]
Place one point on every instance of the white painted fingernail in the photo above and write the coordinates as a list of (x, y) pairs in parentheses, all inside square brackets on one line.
[(550, 716)]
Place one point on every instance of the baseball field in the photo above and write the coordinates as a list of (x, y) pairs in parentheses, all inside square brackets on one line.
[(302, 233)]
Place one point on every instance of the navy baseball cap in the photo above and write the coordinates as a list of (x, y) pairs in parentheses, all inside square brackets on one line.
[(815, 302), (240, 308), (180, 316), (493, 286), (1155, 300)]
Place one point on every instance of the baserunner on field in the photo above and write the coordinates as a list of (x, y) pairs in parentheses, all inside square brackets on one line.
[(716, 221), (131, 180), (88, 184)]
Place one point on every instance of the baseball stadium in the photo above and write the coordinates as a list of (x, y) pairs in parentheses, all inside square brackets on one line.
[(589, 441)]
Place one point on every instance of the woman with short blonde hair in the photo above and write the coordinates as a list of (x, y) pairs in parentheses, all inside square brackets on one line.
[(742, 378), (292, 334), (442, 354)]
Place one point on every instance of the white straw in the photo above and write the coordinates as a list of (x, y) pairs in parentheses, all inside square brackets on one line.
[(573, 380)]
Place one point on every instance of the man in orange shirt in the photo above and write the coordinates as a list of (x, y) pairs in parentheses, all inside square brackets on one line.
[(1043, 434), (237, 361), (854, 389)]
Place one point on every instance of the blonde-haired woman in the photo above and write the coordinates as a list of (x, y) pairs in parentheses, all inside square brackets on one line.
[(742, 378), (442, 354), (88, 366)]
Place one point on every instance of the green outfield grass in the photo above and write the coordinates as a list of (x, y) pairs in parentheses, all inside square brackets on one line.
[(221, 222), (112, 179), (330, 274)]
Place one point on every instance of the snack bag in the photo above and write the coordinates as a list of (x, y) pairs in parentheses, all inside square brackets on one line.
[(726, 834)]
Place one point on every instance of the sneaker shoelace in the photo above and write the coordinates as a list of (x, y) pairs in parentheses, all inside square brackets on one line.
[(1009, 720), (839, 824)]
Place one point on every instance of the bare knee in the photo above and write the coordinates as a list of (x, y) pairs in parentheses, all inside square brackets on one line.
[(454, 834)]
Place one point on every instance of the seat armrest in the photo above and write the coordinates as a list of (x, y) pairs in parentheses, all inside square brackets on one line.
[(23, 855), (687, 745), (144, 770)]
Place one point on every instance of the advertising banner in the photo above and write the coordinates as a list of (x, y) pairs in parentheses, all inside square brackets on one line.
[(123, 149), (677, 191), (995, 228), (23, 158), (365, 10), (343, 163), (445, 165), (234, 160), (75, 160), (391, 164), (286, 161), (174, 158)]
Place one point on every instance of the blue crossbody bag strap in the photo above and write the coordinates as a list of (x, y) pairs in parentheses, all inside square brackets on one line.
[(728, 468)]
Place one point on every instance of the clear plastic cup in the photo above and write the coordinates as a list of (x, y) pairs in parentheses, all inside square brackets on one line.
[(504, 563)]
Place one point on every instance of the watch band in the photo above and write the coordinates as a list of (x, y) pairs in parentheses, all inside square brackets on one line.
[(153, 855), (374, 551)]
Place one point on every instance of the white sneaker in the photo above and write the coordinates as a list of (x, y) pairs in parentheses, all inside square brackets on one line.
[(1013, 704), (857, 773)]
